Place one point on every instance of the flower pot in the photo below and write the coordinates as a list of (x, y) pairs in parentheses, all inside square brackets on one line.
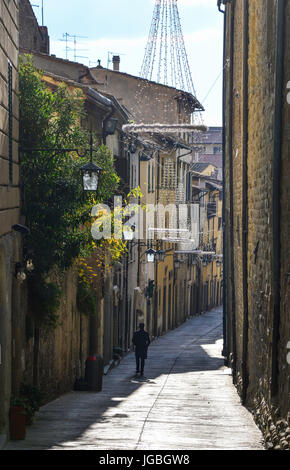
[(17, 423)]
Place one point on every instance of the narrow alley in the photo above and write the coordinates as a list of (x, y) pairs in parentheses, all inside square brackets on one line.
[(144, 200), (186, 400)]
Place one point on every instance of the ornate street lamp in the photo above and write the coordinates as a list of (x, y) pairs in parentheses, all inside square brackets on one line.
[(20, 272), (90, 176), (150, 255), (129, 234), (110, 126), (160, 255), (177, 263), (91, 172)]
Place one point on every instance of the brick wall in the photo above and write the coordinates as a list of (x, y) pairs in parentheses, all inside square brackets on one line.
[(252, 338), (63, 351), (284, 382), (139, 94), (9, 167), (32, 36), (9, 197)]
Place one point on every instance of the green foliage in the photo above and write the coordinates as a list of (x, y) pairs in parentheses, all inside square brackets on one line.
[(57, 211), (18, 401), (44, 302), (32, 396), (86, 299)]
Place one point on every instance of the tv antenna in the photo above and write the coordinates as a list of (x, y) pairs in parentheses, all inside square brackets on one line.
[(42, 11), (74, 38)]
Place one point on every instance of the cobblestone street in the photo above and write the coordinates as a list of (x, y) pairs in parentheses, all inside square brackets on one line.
[(186, 400)]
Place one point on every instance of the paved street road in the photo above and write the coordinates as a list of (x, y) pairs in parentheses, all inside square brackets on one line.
[(185, 401)]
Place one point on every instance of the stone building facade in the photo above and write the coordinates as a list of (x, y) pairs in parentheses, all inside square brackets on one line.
[(48, 361), (256, 165), (32, 36), (137, 94), (165, 180), (10, 239)]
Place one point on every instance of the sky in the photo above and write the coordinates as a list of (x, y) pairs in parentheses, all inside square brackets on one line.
[(121, 27)]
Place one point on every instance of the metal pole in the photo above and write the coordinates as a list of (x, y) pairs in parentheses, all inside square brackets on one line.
[(225, 346)]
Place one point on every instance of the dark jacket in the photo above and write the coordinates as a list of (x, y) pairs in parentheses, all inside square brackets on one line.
[(141, 341)]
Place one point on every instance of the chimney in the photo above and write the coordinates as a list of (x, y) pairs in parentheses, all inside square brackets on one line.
[(116, 63)]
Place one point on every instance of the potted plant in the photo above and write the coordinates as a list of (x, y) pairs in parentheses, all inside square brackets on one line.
[(33, 398), (17, 418)]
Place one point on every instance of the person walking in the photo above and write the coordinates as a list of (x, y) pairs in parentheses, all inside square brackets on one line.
[(141, 342)]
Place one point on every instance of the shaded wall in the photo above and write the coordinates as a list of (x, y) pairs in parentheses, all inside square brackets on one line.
[(257, 209), (9, 198)]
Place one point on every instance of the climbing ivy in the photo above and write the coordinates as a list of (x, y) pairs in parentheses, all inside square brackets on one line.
[(56, 209)]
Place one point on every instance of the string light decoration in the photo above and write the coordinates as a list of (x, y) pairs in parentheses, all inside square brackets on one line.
[(163, 128), (165, 59)]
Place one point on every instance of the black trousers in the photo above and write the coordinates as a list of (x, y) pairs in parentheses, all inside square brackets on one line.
[(138, 360)]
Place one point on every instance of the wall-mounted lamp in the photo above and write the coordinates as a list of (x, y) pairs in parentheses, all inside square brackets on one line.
[(91, 172), (143, 157), (177, 263), (29, 265), (160, 255), (110, 126), (150, 255), (20, 273), (21, 229), (132, 148)]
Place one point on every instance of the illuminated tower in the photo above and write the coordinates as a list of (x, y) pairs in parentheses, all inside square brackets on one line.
[(165, 60)]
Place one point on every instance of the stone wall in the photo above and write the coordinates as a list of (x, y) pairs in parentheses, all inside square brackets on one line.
[(138, 95), (52, 359), (9, 198), (9, 167), (252, 332), (32, 36)]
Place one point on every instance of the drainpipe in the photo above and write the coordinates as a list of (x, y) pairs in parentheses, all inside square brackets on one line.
[(155, 314), (278, 121), (245, 373), (229, 327), (225, 347), (139, 246), (231, 191)]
